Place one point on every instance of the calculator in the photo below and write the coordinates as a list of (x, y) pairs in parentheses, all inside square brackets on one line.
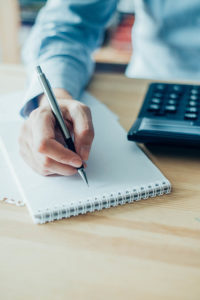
[(170, 114)]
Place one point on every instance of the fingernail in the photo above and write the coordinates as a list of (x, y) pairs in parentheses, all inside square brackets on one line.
[(76, 162), (85, 152)]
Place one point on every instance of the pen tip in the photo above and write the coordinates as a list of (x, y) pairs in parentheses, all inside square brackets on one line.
[(83, 175), (85, 180)]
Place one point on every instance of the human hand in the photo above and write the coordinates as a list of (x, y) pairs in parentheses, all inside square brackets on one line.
[(41, 143)]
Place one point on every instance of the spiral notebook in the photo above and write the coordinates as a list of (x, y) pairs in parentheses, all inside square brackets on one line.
[(118, 172)]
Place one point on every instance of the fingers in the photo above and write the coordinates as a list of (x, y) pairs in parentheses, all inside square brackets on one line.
[(83, 128), (43, 130), (55, 167), (57, 152), (42, 146), (42, 124), (45, 165), (29, 158)]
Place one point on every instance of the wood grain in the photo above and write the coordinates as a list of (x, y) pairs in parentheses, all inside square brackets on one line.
[(146, 250)]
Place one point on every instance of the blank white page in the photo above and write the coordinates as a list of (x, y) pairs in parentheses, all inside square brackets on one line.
[(115, 166), (9, 191)]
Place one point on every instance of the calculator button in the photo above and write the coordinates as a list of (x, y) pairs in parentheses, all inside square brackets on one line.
[(170, 108), (156, 100), (154, 107), (160, 87), (177, 88), (173, 96), (193, 97), (194, 91), (190, 116), (172, 102), (191, 109), (192, 103), (158, 95)]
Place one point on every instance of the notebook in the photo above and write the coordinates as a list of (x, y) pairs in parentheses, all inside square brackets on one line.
[(9, 107), (9, 192), (118, 172)]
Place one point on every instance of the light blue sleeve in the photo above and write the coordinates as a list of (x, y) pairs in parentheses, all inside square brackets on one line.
[(62, 41)]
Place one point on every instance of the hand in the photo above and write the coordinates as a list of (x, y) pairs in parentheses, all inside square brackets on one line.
[(41, 143)]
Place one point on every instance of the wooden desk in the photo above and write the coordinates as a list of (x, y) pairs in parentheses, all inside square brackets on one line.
[(147, 250)]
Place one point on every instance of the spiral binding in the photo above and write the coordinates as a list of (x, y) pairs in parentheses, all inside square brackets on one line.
[(106, 201)]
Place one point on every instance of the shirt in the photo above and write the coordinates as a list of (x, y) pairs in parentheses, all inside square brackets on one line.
[(165, 36)]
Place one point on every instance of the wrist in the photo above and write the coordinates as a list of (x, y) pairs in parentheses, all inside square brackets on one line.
[(59, 94)]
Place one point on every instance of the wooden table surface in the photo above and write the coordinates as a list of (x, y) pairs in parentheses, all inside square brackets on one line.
[(146, 250)]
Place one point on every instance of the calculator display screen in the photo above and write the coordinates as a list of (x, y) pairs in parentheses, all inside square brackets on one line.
[(168, 126)]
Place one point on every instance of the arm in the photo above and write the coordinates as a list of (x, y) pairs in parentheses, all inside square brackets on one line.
[(62, 41), (65, 34)]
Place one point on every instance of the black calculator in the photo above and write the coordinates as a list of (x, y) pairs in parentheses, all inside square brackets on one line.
[(170, 114)]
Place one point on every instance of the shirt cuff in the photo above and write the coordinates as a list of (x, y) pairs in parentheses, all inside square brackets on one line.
[(59, 76)]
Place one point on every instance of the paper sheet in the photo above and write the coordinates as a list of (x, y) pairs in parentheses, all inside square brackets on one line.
[(115, 166)]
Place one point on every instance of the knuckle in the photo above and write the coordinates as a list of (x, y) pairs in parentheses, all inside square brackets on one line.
[(87, 109), (88, 132), (40, 112), (44, 167), (83, 106), (47, 116), (46, 163), (48, 119), (85, 132), (42, 146)]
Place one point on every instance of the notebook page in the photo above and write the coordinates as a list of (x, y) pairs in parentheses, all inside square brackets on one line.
[(115, 165), (9, 191), (10, 105)]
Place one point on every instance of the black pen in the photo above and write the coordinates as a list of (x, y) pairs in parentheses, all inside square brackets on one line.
[(58, 116)]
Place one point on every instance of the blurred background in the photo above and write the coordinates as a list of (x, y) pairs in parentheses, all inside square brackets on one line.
[(18, 16)]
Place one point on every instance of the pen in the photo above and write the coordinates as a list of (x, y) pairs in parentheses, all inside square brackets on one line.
[(58, 116)]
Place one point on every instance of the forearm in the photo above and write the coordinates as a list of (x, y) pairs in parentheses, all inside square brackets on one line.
[(65, 35)]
